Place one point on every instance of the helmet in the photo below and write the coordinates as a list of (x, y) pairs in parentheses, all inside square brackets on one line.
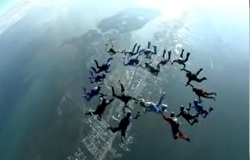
[(195, 101), (182, 107), (172, 114), (128, 113), (142, 101)]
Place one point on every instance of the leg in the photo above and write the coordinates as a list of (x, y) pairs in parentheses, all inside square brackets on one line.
[(210, 97), (164, 52), (169, 55), (182, 51), (97, 65), (123, 132), (188, 54), (109, 59), (160, 100), (99, 116), (84, 90), (93, 70), (211, 93), (137, 57), (122, 87), (91, 80), (138, 48), (149, 43), (134, 47), (198, 72), (92, 74), (155, 50), (183, 136), (87, 95), (113, 92), (204, 113), (200, 80)]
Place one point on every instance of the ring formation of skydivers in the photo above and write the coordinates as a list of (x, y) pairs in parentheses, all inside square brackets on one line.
[(131, 58)]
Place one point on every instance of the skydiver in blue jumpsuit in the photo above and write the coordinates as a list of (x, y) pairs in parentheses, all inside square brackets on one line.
[(97, 78), (93, 92), (153, 107), (200, 109)]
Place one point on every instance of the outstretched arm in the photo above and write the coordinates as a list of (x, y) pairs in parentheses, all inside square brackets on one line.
[(184, 69), (191, 85), (178, 114), (107, 71), (137, 115), (111, 100), (97, 65), (198, 72), (113, 117), (166, 117), (188, 82), (109, 59), (122, 87)]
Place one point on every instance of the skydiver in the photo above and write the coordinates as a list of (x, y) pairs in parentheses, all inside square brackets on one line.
[(153, 107), (175, 125), (180, 60), (131, 61), (200, 109), (148, 52), (150, 68), (193, 77), (133, 52), (93, 92), (123, 97), (123, 125), (98, 78), (111, 49), (184, 112), (104, 67), (103, 103), (164, 61), (201, 93)]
